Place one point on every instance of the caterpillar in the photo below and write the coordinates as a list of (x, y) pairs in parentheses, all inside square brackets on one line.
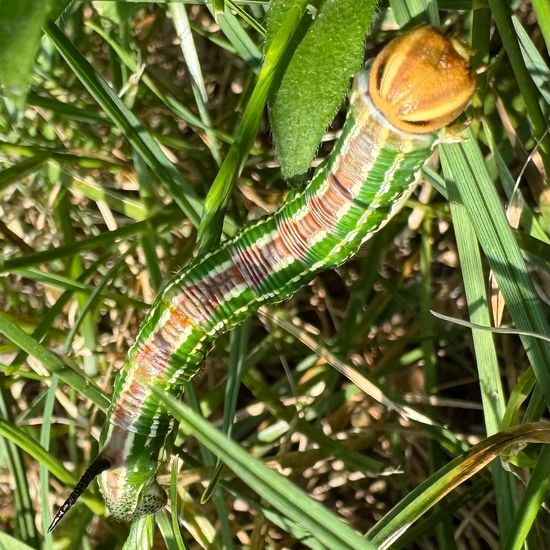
[(418, 84)]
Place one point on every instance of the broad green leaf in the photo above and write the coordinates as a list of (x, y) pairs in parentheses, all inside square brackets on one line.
[(316, 79), (20, 32)]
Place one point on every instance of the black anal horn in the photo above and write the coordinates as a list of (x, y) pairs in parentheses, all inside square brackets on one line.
[(100, 464)]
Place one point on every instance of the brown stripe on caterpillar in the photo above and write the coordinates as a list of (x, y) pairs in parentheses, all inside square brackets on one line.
[(200, 300)]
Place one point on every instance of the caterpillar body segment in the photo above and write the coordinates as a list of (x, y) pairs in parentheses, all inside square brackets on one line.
[(389, 134)]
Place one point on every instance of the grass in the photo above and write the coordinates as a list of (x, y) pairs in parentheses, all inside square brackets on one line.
[(347, 417)]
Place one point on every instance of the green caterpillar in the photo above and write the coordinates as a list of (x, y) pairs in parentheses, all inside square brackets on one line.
[(417, 85)]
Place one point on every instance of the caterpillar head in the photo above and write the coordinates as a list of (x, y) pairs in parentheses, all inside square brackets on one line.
[(421, 81)]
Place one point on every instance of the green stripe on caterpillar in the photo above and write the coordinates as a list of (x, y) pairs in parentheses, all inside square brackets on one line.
[(416, 86)]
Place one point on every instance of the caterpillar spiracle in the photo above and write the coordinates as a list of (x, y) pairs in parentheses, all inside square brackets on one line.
[(416, 86)]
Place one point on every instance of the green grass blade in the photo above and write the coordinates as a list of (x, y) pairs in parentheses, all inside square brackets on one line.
[(12, 543), (141, 535), (183, 29), (436, 456), (277, 490), (18, 171), (133, 130), (464, 167), (238, 347), (24, 527), (66, 283), (51, 362), (427, 494), (170, 531), (129, 61), (94, 297), (542, 10), (534, 61), (490, 385), (529, 92), (531, 504), (25, 442), (218, 197), (416, 11), (244, 46), (44, 442), (104, 239), (127, 206)]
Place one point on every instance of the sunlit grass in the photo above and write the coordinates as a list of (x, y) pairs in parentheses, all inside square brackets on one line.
[(127, 135)]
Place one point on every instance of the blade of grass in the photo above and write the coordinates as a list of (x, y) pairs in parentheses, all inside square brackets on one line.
[(464, 167), (218, 197), (48, 318), (534, 61), (183, 30), (374, 390), (73, 112), (265, 393), (470, 495), (65, 283), (148, 239), (62, 156), (246, 17), (52, 363), (24, 518), (43, 471), (542, 10), (529, 92), (238, 347), (6, 541), (390, 528), (25, 442), (173, 104), (132, 208), (218, 7), (74, 266), (415, 11), (176, 534), (18, 171), (531, 504), (141, 536), (244, 46), (103, 239), (490, 385), (176, 186), (444, 529), (283, 495), (95, 296)]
